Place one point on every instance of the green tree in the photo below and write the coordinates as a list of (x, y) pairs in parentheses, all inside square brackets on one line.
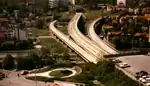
[(8, 62), (35, 58), (21, 45), (26, 63), (65, 56)]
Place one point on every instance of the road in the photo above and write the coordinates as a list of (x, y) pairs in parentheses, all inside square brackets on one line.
[(105, 46), (137, 63), (14, 80), (69, 42), (82, 40)]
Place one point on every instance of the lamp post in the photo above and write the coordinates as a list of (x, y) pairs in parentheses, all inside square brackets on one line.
[(39, 48)]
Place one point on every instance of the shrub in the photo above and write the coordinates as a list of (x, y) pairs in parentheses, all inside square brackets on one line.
[(8, 62)]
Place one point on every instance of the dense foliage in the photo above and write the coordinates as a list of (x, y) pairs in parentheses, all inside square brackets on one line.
[(8, 62)]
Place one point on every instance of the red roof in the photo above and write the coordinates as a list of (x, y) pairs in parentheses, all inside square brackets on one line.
[(115, 33), (10, 42), (4, 20), (142, 34), (2, 36)]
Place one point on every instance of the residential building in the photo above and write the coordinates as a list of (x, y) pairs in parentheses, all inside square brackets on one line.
[(19, 34), (53, 3), (58, 3), (125, 2), (2, 36), (63, 3)]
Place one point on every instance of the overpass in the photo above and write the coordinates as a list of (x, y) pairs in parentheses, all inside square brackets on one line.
[(69, 42), (82, 40), (101, 43)]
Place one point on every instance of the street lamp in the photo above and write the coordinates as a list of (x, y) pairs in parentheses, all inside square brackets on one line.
[(39, 48)]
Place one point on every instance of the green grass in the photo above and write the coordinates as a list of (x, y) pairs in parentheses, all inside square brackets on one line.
[(93, 14), (39, 78), (63, 29), (40, 32), (53, 45), (59, 73)]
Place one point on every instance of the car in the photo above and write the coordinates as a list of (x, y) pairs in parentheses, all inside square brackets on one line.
[(24, 72), (141, 74), (124, 65), (147, 84), (116, 61), (146, 77), (142, 80), (144, 72)]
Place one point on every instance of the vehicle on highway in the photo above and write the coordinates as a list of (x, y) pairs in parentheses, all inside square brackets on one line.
[(124, 65), (24, 72)]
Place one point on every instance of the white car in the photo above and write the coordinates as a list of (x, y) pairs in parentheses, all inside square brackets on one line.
[(142, 80), (146, 78), (147, 84), (124, 65)]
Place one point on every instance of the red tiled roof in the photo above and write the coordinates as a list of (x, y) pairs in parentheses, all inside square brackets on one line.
[(115, 33), (2, 36), (10, 42), (142, 34), (4, 20)]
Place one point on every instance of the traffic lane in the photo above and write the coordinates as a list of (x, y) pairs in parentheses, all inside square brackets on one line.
[(137, 63)]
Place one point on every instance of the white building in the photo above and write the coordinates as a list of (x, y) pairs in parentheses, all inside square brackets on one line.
[(19, 34), (121, 1)]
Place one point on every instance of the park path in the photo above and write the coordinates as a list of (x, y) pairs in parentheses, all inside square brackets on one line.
[(14, 80)]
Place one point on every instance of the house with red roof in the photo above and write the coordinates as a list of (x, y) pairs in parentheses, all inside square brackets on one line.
[(2, 36)]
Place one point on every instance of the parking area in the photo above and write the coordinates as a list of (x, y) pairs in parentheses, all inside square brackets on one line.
[(137, 63)]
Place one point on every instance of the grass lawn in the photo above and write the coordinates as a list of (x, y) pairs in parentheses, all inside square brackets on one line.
[(93, 14), (40, 32), (53, 45), (59, 73), (63, 29)]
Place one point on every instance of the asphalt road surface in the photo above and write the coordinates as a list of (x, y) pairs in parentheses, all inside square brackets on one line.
[(14, 80), (137, 63)]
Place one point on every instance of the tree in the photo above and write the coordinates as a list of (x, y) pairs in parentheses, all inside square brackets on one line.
[(65, 56), (26, 63), (44, 53), (35, 58), (21, 45), (8, 62)]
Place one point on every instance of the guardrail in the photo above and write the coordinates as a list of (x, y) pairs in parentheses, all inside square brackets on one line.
[(103, 44), (69, 42), (82, 40)]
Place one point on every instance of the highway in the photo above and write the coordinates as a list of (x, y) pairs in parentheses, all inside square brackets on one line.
[(69, 42), (101, 43), (82, 40)]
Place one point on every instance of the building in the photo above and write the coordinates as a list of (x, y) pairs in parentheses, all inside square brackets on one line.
[(63, 3), (58, 3), (19, 34), (2, 36), (53, 3)]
